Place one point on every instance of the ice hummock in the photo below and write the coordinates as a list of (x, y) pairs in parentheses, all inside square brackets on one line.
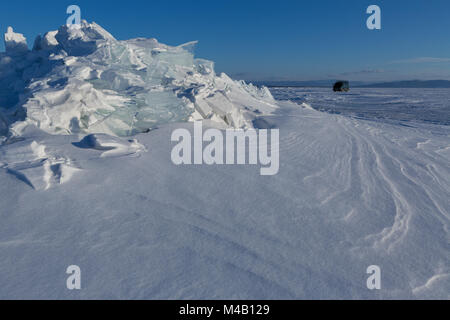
[(15, 42), (83, 80)]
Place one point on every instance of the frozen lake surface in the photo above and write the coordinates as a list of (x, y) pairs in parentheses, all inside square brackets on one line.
[(404, 105), (350, 193)]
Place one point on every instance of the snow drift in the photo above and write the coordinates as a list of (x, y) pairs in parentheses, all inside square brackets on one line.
[(350, 193), (83, 80)]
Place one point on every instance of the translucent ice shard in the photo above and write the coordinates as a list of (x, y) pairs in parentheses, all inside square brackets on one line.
[(85, 81)]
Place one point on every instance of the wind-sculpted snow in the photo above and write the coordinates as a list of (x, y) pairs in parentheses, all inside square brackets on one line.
[(41, 161), (83, 80), (350, 193)]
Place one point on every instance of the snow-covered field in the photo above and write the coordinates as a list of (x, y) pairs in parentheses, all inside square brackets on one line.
[(350, 193)]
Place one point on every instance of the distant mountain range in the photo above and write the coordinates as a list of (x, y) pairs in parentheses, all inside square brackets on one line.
[(359, 84)]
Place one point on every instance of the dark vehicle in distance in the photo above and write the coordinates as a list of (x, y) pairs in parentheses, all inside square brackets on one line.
[(341, 86)]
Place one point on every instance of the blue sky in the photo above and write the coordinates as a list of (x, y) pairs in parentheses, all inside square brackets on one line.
[(272, 40)]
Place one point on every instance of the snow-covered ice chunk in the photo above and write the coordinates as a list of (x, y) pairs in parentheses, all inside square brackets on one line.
[(111, 146), (82, 41), (47, 42), (83, 80), (15, 43)]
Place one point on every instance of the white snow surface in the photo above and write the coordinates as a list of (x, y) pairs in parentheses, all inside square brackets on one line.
[(350, 193), (104, 195)]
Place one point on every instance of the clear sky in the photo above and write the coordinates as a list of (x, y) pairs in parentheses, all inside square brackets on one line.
[(267, 40)]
